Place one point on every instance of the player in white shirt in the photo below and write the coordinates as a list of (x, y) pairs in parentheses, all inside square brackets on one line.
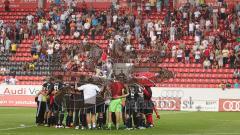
[(90, 92)]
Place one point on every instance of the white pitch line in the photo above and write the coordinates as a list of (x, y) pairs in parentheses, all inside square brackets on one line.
[(6, 129), (162, 113), (228, 133), (223, 120)]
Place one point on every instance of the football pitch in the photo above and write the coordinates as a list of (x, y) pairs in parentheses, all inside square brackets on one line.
[(20, 121)]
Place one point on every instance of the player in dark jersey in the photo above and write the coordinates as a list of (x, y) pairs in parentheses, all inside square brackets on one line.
[(130, 109), (49, 87), (69, 106), (134, 107), (58, 106), (140, 119)]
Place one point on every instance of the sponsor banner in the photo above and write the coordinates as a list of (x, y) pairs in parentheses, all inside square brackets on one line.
[(168, 104), (17, 100), (190, 104), (200, 99), (20, 89), (229, 105), (196, 93)]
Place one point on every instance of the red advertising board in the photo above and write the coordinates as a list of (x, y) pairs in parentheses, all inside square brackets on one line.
[(229, 105), (17, 100), (168, 104)]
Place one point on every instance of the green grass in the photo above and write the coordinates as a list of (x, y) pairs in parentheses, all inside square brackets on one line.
[(171, 123)]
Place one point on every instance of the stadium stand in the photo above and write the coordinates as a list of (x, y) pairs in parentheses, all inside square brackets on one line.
[(210, 32)]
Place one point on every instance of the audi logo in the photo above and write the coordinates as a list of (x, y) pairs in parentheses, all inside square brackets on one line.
[(231, 105), (172, 93), (166, 104)]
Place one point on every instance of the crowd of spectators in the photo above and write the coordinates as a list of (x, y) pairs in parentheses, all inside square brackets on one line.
[(213, 30)]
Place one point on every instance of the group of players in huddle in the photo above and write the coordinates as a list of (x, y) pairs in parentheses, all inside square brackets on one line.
[(92, 106)]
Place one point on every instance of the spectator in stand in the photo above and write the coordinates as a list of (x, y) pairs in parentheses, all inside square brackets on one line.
[(7, 5), (137, 31), (33, 29), (2, 70), (59, 28), (93, 32), (159, 5), (7, 80), (33, 48), (172, 32), (50, 54), (87, 26), (206, 53), (237, 48), (215, 65), (220, 60), (174, 51), (225, 54), (2, 49), (39, 27), (236, 85), (206, 63), (76, 34), (35, 57), (215, 18), (31, 66), (232, 60), (7, 45), (148, 8), (30, 19), (211, 57), (222, 85), (228, 85), (197, 56), (13, 48), (25, 67), (179, 54), (187, 55), (208, 24), (13, 80), (191, 28), (236, 74)]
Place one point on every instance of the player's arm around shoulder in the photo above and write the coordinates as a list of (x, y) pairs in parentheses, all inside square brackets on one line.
[(125, 91)]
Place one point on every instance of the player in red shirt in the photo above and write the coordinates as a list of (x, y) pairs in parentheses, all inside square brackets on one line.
[(149, 106), (119, 90)]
